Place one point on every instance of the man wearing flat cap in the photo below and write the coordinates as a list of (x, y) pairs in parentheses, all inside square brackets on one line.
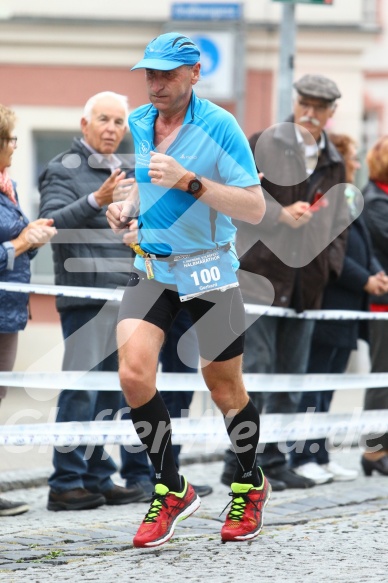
[(299, 246), (318, 87), (194, 172)]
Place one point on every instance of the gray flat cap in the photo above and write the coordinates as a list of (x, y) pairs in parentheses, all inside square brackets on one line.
[(317, 86)]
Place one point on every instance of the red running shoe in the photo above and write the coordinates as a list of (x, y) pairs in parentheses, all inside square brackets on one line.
[(166, 510), (245, 517)]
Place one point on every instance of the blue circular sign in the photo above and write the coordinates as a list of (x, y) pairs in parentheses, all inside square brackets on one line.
[(210, 55)]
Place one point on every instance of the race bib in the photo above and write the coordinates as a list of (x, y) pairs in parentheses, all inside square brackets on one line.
[(199, 274)]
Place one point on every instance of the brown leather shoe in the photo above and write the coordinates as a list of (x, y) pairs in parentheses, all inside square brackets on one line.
[(76, 499), (119, 495)]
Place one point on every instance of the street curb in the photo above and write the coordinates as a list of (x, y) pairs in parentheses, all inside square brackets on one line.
[(20, 479)]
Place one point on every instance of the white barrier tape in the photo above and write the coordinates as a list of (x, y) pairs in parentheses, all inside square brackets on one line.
[(209, 430), (91, 293), (255, 383), (96, 293), (314, 314)]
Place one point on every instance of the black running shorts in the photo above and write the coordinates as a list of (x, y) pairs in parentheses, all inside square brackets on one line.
[(219, 317)]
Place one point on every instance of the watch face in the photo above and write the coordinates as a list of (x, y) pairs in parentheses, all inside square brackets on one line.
[(195, 186)]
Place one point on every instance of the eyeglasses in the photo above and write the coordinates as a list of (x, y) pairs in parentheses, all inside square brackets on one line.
[(13, 140), (318, 107)]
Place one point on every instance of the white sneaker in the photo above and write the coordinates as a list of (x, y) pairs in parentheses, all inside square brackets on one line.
[(315, 472), (339, 473)]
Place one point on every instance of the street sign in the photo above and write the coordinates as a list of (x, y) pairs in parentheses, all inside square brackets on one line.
[(212, 12), (218, 52), (321, 2)]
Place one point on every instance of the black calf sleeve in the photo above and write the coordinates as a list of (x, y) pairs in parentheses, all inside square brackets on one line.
[(244, 431), (153, 426)]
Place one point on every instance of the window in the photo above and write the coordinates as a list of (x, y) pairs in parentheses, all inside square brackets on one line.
[(370, 12), (370, 135), (46, 144)]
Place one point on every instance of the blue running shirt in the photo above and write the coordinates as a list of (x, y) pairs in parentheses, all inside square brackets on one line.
[(171, 221)]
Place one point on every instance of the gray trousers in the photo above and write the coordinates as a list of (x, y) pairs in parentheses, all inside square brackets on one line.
[(8, 349), (377, 398), (276, 345)]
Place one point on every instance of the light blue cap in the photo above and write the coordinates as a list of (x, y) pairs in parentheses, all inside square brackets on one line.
[(169, 51)]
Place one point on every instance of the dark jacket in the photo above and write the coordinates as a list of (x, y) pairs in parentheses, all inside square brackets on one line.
[(376, 218), (281, 258), (347, 292), (90, 255), (13, 306)]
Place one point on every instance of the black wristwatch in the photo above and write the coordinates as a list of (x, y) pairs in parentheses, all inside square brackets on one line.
[(195, 185)]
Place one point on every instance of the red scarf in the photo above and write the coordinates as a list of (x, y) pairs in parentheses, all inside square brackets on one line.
[(382, 185), (380, 307), (6, 186)]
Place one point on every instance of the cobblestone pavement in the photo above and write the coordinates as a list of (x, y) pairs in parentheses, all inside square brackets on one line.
[(336, 532)]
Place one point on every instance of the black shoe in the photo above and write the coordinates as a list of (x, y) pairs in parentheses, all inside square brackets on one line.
[(230, 466), (146, 488), (8, 508), (276, 485), (227, 475), (76, 499), (380, 466), (119, 495), (289, 477), (203, 490)]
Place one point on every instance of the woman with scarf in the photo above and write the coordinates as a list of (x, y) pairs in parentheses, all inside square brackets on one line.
[(19, 241), (375, 458), (333, 340)]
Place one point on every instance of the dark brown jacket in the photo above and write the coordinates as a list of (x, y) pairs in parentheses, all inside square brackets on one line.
[(297, 262)]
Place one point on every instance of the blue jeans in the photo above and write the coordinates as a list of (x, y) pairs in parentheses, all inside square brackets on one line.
[(276, 346), (177, 402), (90, 344), (323, 359)]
